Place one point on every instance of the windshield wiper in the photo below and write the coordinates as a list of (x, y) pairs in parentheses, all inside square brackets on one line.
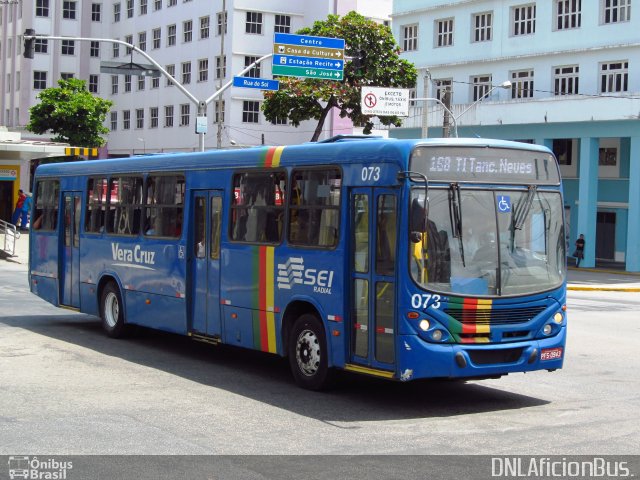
[(522, 210), (455, 216)]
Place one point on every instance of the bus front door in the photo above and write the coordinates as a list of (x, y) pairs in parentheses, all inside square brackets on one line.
[(70, 264), (374, 227), (205, 258)]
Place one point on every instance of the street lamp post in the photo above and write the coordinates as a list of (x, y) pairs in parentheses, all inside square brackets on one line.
[(506, 85), (437, 100)]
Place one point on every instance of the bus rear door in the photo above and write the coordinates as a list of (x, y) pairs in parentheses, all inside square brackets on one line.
[(205, 258), (374, 227), (70, 264)]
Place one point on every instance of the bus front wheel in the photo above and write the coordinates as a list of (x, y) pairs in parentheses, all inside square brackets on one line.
[(308, 353), (112, 311)]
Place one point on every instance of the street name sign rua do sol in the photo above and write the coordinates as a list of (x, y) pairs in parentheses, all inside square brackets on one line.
[(308, 56)]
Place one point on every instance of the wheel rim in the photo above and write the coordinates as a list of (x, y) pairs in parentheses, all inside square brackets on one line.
[(308, 352), (111, 309)]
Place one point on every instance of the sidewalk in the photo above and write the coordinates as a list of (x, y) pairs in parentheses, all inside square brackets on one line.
[(598, 279)]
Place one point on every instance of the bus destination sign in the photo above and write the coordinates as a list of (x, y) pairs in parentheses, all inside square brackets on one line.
[(485, 165)]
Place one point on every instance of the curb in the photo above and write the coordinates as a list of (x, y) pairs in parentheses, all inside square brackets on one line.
[(603, 289), (605, 270)]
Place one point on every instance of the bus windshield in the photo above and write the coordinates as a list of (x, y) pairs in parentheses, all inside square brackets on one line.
[(489, 242)]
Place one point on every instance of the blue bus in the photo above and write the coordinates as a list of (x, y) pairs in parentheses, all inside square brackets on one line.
[(401, 259)]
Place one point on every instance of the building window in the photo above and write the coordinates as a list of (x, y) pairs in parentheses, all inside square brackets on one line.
[(42, 8), (129, 8), (218, 107), (172, 3), (222, 19), (94, 50), (157, 37), (410, 38), (185, 109), (203, 70), (482, 25), (614, 77), (569, 14), (186, 73), (40, 45), (221, 67), (153, 117), (187, 31), (96, 12), (522, 84), (93, 83), (563, 150), (143, 7), (116, 50), (280, 121), (444, 32), (157, 5), (254, 23), (114, 84), (440, 86), (142, 81), (481, 84), (69, 10), (114, 121), (255, 71), (127, 83), (607, 156), (171, 35), (283, 24), (142, 41), (204, 27), (565, 80), (171, 70), (68, 47), (126, 119), (168, 116), (250, 111), (129, 40), (523, 19), (139, 118), (116, 12), (155, 82), (615, 11)]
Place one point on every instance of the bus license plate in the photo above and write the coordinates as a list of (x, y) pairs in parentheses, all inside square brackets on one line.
[(551, 354)]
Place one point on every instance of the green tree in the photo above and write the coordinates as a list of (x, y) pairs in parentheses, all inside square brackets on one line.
[(374, 61), (72, 113)]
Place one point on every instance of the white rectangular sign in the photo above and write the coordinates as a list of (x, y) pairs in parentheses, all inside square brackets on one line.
[(382, 101)]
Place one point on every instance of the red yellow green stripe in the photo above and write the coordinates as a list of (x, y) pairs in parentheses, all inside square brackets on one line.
[(474, 315), (272, 156), (264, 322)]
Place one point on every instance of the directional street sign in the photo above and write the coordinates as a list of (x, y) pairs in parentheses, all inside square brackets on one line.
[(259, 83), (308, 56)]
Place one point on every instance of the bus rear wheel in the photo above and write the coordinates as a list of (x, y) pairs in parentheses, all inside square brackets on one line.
[(308, 354), (112, 311)]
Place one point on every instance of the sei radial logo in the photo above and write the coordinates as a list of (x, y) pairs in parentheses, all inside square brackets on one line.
[(38, 469), (293, 272)]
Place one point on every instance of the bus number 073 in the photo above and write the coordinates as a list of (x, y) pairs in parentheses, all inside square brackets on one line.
[(370, 173), (422, 300)]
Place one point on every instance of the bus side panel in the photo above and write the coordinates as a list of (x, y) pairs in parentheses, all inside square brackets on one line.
[(43, 265), (144, 309), (89, 299)]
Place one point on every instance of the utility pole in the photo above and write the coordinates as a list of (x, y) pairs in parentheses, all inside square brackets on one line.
[(425, 110), (223, 71), (446, 100)]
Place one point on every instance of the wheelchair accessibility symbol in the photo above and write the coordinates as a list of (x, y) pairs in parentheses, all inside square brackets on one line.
[(504, 203)]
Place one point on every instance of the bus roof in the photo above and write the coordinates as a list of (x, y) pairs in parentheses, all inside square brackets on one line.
[(346, 150)]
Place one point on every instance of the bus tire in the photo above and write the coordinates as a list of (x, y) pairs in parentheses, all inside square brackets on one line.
[(308, 356), (112, 311)]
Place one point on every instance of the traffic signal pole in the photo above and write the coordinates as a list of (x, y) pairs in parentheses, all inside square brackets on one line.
[(30, 36)]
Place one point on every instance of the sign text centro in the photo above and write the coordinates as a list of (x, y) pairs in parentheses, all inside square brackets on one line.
[(382, 101)]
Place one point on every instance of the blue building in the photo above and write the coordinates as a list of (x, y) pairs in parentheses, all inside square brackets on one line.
[(562, 73)]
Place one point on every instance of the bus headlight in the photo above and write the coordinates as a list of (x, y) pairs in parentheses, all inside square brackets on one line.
[(558, 318), (437, 335), (547, 329), (424, 325)]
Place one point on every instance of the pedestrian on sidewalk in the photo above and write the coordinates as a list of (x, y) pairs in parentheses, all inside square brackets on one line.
[(579, 252), (18, 211), (26, 211)]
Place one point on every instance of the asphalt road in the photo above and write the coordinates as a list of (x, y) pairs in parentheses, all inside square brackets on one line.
[(67, 389)]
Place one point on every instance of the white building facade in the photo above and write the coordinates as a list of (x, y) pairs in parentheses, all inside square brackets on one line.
[(573, 69), (202, 43)]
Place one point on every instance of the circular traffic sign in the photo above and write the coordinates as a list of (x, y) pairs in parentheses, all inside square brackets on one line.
[(370, 100)]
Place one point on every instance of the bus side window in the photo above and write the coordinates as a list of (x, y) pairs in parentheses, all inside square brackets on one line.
[(46, 205), (164, 203), (96, 205)]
